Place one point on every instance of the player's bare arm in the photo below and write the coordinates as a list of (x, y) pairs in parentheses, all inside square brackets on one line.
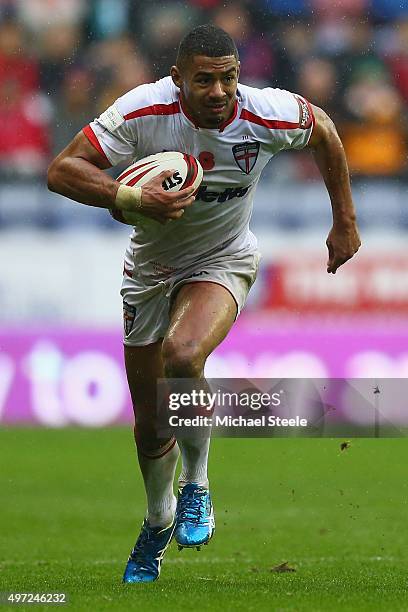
[(78, 173), (343, 240)]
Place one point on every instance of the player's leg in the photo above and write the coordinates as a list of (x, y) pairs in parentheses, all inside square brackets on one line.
[(157, 457), (202, 315), (157, 460)]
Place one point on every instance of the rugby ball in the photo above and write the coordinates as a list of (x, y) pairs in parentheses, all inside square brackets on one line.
[(188, 172)]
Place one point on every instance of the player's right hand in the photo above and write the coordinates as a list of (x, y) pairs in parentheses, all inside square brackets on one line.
[(342, 243), (161, 205)]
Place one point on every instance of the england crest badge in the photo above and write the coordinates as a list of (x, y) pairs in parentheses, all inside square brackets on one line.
[(245, 155), (129, 313)]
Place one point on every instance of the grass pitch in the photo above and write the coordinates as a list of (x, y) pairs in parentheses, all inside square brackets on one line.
[(72, 503)]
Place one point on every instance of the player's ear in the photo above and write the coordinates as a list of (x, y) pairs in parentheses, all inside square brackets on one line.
[(176, 76), (238, 69)]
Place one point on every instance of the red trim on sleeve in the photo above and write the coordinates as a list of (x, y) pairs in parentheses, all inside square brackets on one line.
[(154, 109), (311, 112), (272, 124), (310, 118), (90, 134)]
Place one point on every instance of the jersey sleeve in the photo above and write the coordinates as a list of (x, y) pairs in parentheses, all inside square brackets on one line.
[(111, 134), (293, 119)]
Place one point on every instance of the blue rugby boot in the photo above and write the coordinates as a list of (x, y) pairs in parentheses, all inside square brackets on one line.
[(195, 523), (145, 559)]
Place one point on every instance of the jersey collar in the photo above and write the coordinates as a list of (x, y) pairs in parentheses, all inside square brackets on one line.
[(189, 118)]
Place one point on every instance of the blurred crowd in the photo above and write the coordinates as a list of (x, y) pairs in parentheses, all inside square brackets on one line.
[(62, 62)]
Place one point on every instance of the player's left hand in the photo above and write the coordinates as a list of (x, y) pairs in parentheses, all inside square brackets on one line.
[(342, 242)]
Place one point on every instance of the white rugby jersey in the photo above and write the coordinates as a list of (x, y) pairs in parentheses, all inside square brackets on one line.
[(151, 118)]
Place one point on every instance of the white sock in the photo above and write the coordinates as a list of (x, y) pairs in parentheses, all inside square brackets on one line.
[(194, 453), (158, 475)]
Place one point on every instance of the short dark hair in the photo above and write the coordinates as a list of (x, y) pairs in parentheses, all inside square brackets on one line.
[(209, 40)]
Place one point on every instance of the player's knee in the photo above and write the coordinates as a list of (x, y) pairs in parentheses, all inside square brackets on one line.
[(182, 360)]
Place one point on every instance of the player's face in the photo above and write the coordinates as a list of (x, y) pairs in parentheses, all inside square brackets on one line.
[(208, 86)]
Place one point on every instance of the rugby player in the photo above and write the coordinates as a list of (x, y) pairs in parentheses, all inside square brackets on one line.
[(185, 282)]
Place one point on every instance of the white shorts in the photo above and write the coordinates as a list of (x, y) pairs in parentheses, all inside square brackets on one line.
[(146, 305)]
